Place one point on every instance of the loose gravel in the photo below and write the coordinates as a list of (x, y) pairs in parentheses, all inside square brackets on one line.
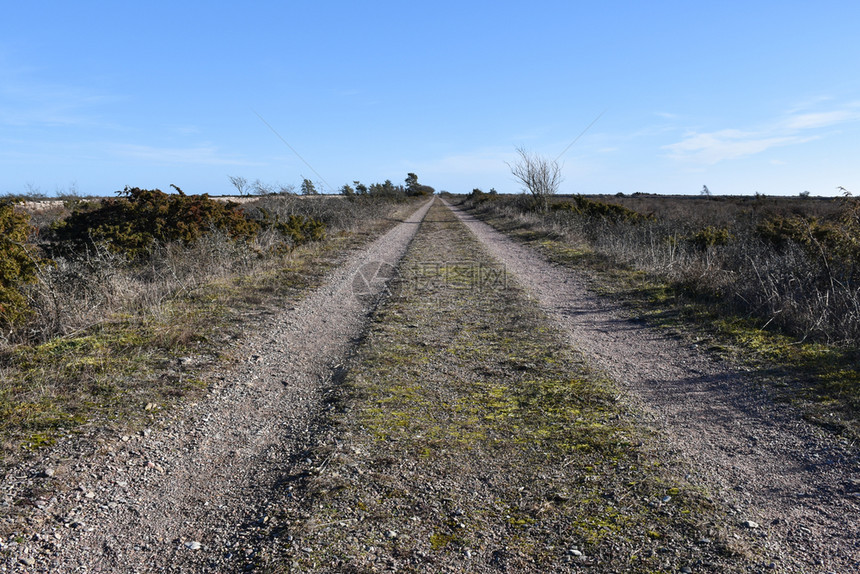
[(193, 490), (469, 437), (189, 491), (793, 483)]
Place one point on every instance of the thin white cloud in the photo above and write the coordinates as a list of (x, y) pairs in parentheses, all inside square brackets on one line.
[(28, 104), (471, 163), (820, 119), (796, 127), (183, 130), (810, 103), (348, 93), (27, 99), (711, 148), (201, 155)]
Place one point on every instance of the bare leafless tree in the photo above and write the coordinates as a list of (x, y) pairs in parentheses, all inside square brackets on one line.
[(539, 176), (240, 183), (261, 188)]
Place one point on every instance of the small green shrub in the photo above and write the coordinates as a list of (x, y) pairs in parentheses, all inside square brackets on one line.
[(833, 240), (597, 209), (18, 264), (710, 237), (298, 229), (478, 196), (132, 223)]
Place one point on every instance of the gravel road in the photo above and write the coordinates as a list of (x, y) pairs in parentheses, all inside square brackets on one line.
[(188, 493), (798, 484)]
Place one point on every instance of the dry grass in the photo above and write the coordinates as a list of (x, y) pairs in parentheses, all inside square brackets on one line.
[(469, 437), (110, 338), (715, 250), (743, 297), (81, 290)]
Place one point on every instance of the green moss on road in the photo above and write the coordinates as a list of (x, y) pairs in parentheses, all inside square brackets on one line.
[(469, 437)]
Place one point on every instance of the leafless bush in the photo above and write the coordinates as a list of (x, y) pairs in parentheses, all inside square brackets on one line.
[(539, 176), (338, 213), (794, 287), (76, 291)]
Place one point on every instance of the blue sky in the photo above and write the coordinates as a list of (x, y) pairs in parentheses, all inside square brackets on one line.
[(743, 97)]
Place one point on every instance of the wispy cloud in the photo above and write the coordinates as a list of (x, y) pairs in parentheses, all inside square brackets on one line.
[(470, 163), (723, 145), (820, 119), (347, 93), (28, 104), (796, 127), (199, 155), (183, 130), (34, 96)]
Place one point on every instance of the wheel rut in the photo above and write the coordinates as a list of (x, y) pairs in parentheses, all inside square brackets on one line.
[(188, 492), (794, 480), (194, 491)]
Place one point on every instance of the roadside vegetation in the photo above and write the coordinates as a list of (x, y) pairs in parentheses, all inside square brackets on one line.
[(468, 437), (765, 279), (110, 308)]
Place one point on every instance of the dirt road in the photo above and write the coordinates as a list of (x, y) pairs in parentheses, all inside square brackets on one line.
[(197, 490), (183, 494), (795, 481)]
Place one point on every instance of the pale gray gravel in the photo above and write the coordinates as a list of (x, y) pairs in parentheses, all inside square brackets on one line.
[(794, 481), (188, 493)]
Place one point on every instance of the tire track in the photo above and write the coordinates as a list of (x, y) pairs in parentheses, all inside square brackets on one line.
[(189, 493), (795, 481)]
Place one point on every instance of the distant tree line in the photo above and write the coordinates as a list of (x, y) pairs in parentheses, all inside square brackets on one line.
[(412, 188), (388, 189)]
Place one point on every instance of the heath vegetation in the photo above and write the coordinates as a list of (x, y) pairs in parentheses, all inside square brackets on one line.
[(790, 262), (99, 298), (776, 276), (485, 444)]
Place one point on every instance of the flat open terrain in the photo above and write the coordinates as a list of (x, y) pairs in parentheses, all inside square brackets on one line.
[(450, 401), (757, 455)]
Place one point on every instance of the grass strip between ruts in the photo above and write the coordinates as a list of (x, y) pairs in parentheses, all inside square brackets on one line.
[(822, 380), (116, 373), (467, 436)]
